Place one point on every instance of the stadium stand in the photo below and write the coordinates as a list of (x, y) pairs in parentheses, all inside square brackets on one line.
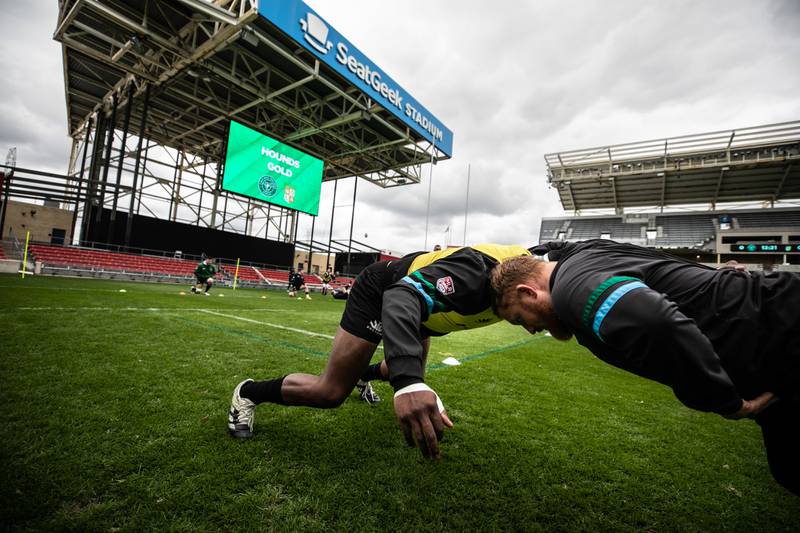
[(684, 231), (72, 260), (65, 256), (767, 219), (744, 169), (246, 273), (280, 277), (673, 230)]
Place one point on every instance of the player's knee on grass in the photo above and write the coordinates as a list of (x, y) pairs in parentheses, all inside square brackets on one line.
[(332, 397)]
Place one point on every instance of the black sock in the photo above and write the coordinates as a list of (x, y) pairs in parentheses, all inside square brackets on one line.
[(373, 373), (263, 391), (208, 287)]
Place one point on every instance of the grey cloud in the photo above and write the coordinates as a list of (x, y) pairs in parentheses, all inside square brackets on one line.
[(512, 80)]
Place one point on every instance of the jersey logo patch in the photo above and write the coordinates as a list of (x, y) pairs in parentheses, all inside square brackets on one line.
[(375, 327), (445, 285)]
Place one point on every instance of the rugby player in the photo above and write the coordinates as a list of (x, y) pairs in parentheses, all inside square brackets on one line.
[(726, 341), (204, 273), (403, 303)]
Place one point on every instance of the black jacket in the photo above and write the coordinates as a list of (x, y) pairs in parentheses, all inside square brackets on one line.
[(432, 294), (715, 336)]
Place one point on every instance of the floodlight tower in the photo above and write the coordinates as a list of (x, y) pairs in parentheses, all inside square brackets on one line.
[(5, 175), (11, 160)]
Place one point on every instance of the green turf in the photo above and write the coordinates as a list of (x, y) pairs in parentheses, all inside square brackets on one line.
[(114, 407)]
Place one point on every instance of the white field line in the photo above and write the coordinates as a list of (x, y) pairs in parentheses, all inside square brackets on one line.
[(228, 291), (178, 309), (155, 309), (36, 287), (276, 326)]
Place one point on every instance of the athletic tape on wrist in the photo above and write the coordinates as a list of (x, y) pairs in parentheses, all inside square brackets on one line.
[(419, 387)]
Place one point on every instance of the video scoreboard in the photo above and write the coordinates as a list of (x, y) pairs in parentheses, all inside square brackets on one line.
[(766, 247)]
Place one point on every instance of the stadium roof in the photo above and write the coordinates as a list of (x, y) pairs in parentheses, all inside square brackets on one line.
[(209, 61), (744, 165)]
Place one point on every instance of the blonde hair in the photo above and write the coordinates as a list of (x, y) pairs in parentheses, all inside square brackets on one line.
[(510, 273)]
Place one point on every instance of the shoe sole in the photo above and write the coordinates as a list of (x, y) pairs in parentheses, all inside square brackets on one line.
[(239, 434)]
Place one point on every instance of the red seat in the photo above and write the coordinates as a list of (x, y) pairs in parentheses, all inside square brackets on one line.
[(82, 257)]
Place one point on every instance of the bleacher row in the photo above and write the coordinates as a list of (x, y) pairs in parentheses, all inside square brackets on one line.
[(101, 260), (672, 231)]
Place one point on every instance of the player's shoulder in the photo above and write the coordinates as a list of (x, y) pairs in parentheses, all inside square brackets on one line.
[(500, 252)]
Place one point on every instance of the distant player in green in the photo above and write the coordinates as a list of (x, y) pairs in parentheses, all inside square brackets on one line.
[(327, 278), (205, 275)]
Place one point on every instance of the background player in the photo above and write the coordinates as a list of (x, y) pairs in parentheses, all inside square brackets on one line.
[(327, 277), (298, 282), (204, 273)]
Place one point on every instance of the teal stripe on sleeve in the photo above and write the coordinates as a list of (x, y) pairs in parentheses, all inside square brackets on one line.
[(612, 299), (598, 292), (418, 286)]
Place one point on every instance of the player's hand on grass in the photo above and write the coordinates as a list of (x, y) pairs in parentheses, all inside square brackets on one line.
[(422, 419), (751, 408)]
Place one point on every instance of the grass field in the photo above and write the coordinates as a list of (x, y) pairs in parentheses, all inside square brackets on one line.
[(114, 409)]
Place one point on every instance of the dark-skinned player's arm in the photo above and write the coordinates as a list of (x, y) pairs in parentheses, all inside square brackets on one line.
[(416, 406)]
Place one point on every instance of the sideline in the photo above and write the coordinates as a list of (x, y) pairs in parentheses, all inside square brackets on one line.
[(487, 353), (276, 326), (154, 309), (249, 335)]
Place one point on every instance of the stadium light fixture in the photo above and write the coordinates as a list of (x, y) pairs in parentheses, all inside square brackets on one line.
[(250, 37), (137, 44)]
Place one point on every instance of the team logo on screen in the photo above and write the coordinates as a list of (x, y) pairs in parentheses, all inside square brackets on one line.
[(288, 194), (268, 186)]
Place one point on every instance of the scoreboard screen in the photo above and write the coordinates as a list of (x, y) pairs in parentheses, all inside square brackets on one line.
[(766, 247), (263, 168)]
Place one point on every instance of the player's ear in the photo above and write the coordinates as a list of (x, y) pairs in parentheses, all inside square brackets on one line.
[(523, 289)]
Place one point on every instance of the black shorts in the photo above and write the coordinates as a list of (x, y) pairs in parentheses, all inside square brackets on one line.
[(296, 286), (202, 280), (778, 425), (362, 313)]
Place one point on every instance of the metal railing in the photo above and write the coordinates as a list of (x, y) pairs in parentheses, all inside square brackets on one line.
[(773, 142)]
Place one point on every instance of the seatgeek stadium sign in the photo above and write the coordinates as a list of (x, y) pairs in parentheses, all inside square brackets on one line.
[(302, 24)]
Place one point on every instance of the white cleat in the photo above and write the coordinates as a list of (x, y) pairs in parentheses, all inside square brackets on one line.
[(241, 415), (367, 393)]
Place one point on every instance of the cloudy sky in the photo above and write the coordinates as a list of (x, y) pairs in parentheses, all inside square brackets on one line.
[(513, 82)]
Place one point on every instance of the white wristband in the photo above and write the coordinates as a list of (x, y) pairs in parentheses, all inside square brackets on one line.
[(420, 387)]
